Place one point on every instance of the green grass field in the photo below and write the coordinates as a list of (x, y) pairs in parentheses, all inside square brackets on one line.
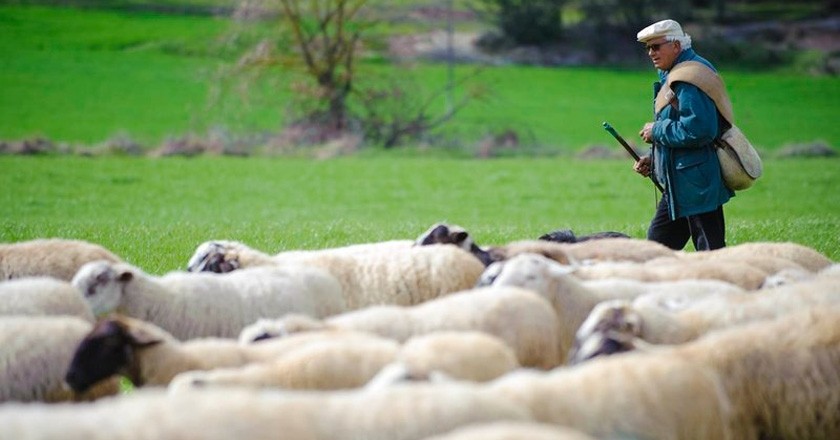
[(154, 212), (83, 76)]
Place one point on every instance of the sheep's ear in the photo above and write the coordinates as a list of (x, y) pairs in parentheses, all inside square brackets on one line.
[(436, 234), (460, 236), (125, 276)]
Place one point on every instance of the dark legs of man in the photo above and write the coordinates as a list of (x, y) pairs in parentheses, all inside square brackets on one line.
[(707, 230)]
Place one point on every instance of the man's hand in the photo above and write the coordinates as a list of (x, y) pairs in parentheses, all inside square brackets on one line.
[(647, 133), (642, 166)]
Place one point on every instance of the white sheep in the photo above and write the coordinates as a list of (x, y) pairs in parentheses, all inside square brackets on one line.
[(803, 256), (658, 326), (739, 273), (227, 255), (42, 296), (148, 355), (780, 375), (34, 352), (630, 396), (573, 299), (328, 364), (53, 257), (351, 363), (521, 318), (191, 305), (513, 431), (402, 276), (601, 249), (400, 413)]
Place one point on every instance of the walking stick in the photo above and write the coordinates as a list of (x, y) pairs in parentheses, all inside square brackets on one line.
[(630, 150)]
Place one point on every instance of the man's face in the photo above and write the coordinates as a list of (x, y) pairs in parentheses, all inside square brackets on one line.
[(663, 53)]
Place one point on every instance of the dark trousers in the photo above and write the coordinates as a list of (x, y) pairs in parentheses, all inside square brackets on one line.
[(707, 230)]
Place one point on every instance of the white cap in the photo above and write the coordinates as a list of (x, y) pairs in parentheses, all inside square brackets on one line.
[(665, 28)]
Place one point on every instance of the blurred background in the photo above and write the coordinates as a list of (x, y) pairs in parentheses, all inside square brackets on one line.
[(477, 78)]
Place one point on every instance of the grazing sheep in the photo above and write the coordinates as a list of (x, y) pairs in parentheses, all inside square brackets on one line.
[(513, 431), (320, 365), (604, 248), (403, 276), (780, 375), (768, 264), (521, 318), (225, 255), (463, 355), (400, 413), (42, 296), (597, 335), (630, 396), (192, 305), (34, 351), (343, 363), (53, 257), (804, 256), (573, 299), (741, 274), (148, 355)]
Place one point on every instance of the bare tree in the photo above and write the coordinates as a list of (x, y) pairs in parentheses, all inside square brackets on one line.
[(326, 36)]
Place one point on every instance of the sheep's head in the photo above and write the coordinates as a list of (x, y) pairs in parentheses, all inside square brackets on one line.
[(108, 350), (101, 283), (441, 233), (215, 256), (529, 271), (611, 327)]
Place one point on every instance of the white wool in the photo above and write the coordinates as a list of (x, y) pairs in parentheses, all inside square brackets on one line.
[(573, 299), (399, 413), (34, 353), (521, 318), (53, 257), (375, 273), (42, 296), (191, 305)]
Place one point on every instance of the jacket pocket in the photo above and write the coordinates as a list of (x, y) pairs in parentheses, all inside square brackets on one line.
[(691, 173)]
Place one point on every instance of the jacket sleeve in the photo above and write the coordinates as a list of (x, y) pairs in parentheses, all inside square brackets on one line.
[(697, 122)]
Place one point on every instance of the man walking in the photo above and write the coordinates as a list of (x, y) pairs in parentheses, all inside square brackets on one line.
[(683, 158)]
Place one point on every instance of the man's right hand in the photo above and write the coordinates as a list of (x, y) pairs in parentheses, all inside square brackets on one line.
[(642, 166)]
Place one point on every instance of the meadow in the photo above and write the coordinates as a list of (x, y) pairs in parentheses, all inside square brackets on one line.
[(85, 75), (154, 212)]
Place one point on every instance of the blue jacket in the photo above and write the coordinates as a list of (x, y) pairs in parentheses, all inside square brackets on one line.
[(684, 157)]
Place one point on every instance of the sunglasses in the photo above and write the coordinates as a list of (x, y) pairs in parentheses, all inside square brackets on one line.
[(655, 47)]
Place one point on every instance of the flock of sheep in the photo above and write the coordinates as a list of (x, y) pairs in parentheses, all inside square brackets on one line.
[(598, 337)]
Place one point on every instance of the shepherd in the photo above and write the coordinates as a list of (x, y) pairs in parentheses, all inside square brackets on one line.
[(682, 157)]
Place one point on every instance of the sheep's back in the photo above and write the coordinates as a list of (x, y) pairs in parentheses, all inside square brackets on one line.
[(42, 296), (57, 258)]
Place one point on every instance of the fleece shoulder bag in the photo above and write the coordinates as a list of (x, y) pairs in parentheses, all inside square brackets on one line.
[(739, 161)]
